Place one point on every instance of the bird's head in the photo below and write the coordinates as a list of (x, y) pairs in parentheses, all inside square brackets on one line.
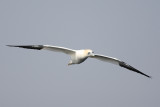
[(89, 52)]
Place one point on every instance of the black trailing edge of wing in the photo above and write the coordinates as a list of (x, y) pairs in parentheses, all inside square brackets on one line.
[(123, 64), (37, 47)]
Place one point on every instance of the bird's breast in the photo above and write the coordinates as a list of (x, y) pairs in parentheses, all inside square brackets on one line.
[(80, 56)]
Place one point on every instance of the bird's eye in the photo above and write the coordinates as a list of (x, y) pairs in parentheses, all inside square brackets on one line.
[(89, 53)]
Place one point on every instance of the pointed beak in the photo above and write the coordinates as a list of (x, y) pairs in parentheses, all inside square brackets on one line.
[(92, 54)]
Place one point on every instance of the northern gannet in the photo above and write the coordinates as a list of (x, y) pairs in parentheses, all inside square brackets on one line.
[(79, 56)]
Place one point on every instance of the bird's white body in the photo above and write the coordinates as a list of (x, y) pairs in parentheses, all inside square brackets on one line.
[(79, 56)]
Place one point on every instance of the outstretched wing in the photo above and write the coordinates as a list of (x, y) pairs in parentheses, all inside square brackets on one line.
[(46, 47), (117, 62)]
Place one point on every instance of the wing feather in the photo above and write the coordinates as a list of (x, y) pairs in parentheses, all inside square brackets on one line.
[(59, 49), (46, 47), (118, 62), (106, 59)]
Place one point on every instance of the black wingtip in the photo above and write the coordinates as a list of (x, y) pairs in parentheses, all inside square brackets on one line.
[(11, 45), (37, 47), (123, 64)]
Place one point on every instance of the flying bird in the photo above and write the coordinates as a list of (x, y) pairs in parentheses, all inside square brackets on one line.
[(79, 56)]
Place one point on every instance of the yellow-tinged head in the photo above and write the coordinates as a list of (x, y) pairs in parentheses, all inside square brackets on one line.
[(88, 52)]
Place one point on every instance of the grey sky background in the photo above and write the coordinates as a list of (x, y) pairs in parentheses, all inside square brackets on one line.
[(125, 29)]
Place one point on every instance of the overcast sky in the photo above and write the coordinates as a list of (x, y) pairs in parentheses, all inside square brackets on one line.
[(126, 29)]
